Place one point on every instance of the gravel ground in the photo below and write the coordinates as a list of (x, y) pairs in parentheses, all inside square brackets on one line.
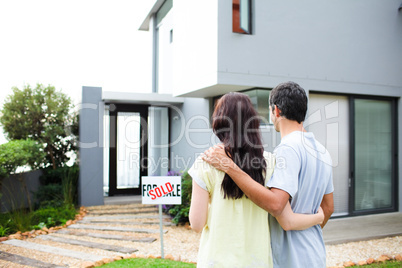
[(182, 244), (359, 251), (7, 264), (37, 255)]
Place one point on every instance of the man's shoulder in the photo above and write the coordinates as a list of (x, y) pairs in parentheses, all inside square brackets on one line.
[(289, 143), (293, 139), (317, 153)]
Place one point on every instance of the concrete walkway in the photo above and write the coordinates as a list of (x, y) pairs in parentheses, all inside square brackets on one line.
[(108, 232), (337, 231), (361, 228)]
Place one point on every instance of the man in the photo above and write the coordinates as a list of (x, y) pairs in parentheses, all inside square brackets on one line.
[(302, 175)]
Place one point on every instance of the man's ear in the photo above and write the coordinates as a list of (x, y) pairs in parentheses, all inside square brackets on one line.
[(277, 112)]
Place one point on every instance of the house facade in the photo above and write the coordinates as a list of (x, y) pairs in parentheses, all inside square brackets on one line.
[(346, 55)]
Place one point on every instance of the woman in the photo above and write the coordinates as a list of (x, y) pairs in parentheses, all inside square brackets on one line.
[(235, 231)]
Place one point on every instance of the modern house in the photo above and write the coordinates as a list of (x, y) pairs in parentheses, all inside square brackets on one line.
[(347, 55)]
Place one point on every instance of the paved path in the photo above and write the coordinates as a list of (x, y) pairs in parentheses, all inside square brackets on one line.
[(75, 244), (362, 228)]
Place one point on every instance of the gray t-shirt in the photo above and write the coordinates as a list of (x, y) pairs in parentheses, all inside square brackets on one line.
[(304, 170)]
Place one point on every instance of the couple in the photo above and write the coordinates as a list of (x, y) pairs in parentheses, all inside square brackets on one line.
[(236, 183)]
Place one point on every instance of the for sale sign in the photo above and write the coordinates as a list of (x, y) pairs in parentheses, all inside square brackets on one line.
[(164, 190)]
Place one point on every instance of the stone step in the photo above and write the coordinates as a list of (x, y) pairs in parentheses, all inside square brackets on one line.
[(88, 244), (112, 228), (21, 260), (124, 222), (125, 217), (131, 206), (123, 212), (107, 236), (55, 250)]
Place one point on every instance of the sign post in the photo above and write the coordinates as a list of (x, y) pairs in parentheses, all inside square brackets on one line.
[(161, 230), (160, 190)]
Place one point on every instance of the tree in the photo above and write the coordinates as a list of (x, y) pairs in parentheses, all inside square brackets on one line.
[(41, 114), (19, 153)]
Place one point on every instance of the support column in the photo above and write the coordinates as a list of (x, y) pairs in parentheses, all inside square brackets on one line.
[(90, 185)]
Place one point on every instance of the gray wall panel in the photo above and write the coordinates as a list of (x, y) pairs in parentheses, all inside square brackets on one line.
[(90, 183)]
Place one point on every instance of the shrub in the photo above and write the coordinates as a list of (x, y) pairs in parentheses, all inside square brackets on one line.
[(4, 230), (18, 220), (6, 225), (51, 216), (70, 185), (58, 187), (49, 195), (180, 212), (23, 220), (52, 176)]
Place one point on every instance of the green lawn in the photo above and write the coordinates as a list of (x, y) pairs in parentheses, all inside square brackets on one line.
[(387, 264), (139, 262)]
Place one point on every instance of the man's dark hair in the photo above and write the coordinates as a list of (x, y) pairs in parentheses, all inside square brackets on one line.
[(291, 100)]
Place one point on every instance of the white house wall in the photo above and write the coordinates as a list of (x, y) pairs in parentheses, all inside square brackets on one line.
[(195, 40), (165, 54)]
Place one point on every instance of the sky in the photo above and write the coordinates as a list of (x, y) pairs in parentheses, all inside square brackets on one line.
[(70, 44)]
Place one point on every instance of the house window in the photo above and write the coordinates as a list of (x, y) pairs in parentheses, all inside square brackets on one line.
[(259, 99), (241, 16)]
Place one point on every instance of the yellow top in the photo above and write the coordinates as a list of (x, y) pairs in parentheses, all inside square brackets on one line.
[(236, 233)]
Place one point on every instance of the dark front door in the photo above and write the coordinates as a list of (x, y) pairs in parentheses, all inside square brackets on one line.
[(128, 148)]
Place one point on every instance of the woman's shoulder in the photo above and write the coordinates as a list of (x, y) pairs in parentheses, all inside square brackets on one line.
[(269, 157), (267, 154), (203, 167), (200, 163)]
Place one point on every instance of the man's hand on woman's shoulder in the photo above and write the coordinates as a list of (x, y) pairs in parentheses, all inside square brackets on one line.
[(216, 157)]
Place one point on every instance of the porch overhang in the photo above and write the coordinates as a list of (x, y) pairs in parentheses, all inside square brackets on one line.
[(140, 98), (212, 91), (145, 24)]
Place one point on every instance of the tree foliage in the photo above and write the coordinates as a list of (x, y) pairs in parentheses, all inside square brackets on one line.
[(19, 153), (41, 114)]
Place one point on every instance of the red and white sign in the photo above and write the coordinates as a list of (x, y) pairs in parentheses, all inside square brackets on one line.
[(165, 190)]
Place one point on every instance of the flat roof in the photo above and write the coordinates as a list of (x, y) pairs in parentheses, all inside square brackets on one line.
[(145, 24)]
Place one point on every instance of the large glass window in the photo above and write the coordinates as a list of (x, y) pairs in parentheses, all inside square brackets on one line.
[(128, 150), (260, 100), (373, 154), (328, 118)]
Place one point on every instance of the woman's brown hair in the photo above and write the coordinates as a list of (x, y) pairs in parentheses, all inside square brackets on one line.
[(236, 123)]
